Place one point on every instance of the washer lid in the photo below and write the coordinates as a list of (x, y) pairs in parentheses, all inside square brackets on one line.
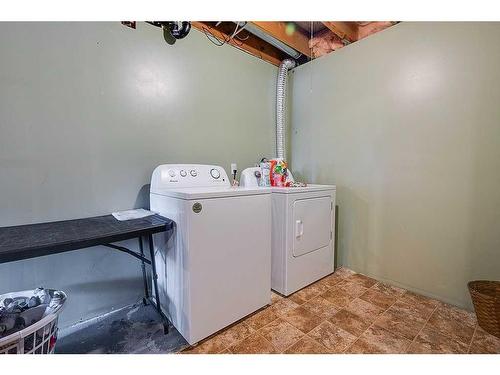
[(305, 189), (210, 192)]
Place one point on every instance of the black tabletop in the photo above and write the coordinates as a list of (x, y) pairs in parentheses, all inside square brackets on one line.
[(33, 240)]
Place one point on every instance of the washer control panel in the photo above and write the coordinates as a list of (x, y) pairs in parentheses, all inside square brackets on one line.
[(188, 175)]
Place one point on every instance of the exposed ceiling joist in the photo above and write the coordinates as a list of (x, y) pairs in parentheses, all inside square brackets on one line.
[(273, 41), (344, 30), (278, 30), (252, 44)]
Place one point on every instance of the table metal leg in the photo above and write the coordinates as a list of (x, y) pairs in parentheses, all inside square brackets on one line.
[(144, 274), (155, 283)]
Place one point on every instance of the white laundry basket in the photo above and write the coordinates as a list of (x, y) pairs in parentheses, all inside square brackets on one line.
[(38, 338)]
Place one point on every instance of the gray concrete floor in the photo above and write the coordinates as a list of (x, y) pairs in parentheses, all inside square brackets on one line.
[(136, 329)]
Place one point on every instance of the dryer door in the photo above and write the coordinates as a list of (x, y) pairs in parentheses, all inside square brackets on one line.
[(312, 224)]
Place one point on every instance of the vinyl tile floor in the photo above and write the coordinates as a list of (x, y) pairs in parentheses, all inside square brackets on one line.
[(347, 312)]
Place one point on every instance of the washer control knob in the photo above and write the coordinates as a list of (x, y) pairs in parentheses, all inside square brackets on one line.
[(171, 173), (214, 173), (193, 173), (183, 173)]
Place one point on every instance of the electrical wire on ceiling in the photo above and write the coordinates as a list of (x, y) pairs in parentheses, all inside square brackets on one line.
[(236, 31), (211, 37), (219, 42), (243, 39), (235, 38)]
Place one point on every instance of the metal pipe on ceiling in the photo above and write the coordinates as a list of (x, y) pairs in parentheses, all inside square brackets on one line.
[(251, 28)]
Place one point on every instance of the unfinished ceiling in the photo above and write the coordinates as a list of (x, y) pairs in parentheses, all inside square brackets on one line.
[(273, 41)]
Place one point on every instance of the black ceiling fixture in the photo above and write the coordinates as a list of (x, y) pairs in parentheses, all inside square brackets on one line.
[(173, 30)]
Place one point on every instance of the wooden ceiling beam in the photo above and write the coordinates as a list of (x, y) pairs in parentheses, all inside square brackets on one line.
[(278, 30), (252, 44), (344, 30)]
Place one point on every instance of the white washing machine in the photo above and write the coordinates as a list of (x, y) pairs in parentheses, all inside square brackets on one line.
[(215, 267), (303, 222)]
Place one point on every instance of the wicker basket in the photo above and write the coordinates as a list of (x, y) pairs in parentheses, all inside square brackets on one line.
[(486, 299)]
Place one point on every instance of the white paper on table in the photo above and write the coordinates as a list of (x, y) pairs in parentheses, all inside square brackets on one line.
[(132, 214)]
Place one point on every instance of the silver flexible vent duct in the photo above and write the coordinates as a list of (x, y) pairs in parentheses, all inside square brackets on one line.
[(281, 106)]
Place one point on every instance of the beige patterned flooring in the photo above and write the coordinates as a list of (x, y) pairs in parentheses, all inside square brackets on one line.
[(348, 312)]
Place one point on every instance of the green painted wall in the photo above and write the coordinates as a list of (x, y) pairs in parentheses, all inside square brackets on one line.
[(407, 124), (88, 110)]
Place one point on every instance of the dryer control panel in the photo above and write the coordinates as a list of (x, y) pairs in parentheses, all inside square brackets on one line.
[(168, 176)]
